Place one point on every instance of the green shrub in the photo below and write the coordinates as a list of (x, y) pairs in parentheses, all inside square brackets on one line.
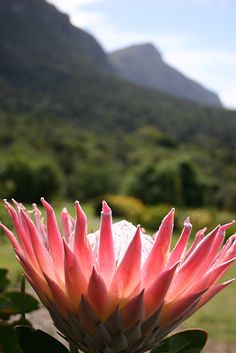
[(193, 190), (222, 217), (48, 180), (4, 219), (210, 218), (226, 196), (152, 216), (156, 183), (27, 179), (122, 206), (92, 179), (199, 217), (170, 181)]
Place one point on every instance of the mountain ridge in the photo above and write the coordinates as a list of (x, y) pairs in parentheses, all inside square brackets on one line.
[(143, 64), (63, 49), (49, 69), (41, 41)]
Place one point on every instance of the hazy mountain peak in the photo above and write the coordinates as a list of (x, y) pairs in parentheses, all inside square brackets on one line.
[(143, 64), (39, 46), (141, 49)]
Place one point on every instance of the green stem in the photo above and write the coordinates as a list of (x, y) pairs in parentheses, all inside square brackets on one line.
[(22, 290), (73, 348)]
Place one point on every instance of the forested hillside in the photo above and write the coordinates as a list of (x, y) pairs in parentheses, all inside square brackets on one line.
[(70, 127)]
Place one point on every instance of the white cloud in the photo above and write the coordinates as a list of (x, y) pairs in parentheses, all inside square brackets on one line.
[(73, 3), (113, 37), (79, 15), (88, 2), (85, 19), (225, 6), (229, 96)]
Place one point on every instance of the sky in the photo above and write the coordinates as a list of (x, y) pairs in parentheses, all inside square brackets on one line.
[(197, 37)]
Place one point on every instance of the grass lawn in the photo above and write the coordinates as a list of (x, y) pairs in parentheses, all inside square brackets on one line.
[(8, 260), (218, 317)]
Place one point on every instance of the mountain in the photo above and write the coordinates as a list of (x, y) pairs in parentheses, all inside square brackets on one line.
[(50, 69), (144, 65), (37, 42)]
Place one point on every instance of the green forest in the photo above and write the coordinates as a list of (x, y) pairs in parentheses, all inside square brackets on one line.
[(142, 173), (71, 129)]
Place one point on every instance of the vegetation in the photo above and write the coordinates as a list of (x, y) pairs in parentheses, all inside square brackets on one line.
[(77, 163), (70, 128), (12, 303), (125, 207)]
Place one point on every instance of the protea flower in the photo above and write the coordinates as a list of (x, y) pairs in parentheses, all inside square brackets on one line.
[(117, 289)]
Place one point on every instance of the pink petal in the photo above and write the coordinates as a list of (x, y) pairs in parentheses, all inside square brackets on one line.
[(82, 248), (44, 298), (23, 237), (39, 284), (218, 241), (66, 224), (212, 292), (18, 204), (134, 310), (54, 237), (194, 266), (75, 282), (42, 230), (211, 277), (198, 238), (227, 251), (128, 274), (231, 253), (59, 296), (178, 308), (158, 255), (98, 296), (180, 246), (42, 255), (12, 238), (156, 293), (106, 262)]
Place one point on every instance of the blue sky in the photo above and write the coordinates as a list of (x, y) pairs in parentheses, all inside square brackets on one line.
[(198, 37)]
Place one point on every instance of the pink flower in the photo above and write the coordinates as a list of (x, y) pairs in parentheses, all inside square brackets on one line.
[(117, 289)]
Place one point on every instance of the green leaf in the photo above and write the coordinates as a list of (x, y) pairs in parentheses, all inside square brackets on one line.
[(16, 303), (4, 281), (5, 302), (37, 341), (73, 348), (190, 341), (5, 307), (8, 341)]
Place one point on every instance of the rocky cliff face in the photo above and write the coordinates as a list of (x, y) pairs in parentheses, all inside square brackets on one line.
[(143, 65)]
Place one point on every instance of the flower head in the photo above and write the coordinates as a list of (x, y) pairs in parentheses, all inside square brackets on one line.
[(117, 289)]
